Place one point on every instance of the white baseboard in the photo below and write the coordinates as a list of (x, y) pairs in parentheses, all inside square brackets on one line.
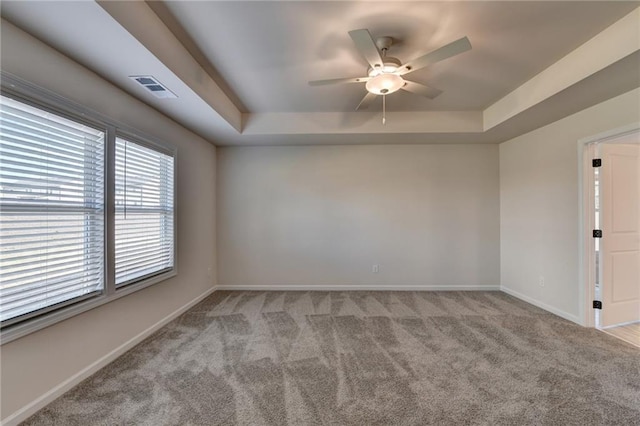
[(365, 287), (546, 307), (42, 401)]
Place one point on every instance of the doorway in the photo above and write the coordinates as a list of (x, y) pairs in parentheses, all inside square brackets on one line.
[(614, 213)]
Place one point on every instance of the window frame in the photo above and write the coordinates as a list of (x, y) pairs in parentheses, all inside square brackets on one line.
[(28, 93), (119, 133)]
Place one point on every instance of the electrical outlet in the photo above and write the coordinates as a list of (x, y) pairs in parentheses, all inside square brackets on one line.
[(209, 272), (375, 269), (541, 281)]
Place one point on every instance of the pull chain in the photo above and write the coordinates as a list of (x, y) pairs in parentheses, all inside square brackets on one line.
[(384, 97), (384, 109)]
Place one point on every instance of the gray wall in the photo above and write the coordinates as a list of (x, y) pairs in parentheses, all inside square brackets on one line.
[(323, 215), (37, 363), (539, 208)]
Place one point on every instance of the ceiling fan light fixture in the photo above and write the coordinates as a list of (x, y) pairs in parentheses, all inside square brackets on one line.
[(384, 75), (384, 84)]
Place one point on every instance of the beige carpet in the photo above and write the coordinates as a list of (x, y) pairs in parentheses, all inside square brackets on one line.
[(362, 358)]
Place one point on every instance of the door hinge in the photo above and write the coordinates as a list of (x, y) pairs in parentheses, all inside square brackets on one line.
[(596, 162), (597, 233), (597, 304)]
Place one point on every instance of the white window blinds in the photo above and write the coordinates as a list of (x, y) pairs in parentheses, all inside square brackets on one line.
[(51, 211), (144, 238)]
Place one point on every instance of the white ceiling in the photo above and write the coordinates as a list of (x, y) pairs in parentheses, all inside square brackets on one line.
[(261, 54), (267, 51)]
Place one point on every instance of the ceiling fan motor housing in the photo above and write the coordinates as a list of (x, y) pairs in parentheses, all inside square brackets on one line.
[(389, 65)]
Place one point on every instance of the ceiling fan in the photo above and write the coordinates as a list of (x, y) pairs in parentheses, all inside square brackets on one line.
[(385, 73)]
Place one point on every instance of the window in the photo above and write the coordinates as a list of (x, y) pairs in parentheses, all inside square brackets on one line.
[(144, 212), (85, 216), (52, 210)]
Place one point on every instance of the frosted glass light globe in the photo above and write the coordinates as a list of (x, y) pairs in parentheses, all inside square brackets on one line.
[(383, 84)]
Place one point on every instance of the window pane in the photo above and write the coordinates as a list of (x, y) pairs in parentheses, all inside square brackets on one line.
[(51, 210), (144, 212)]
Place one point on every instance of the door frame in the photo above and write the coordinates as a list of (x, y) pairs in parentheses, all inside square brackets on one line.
[(586, 218)]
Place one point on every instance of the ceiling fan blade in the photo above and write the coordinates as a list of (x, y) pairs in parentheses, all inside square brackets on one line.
[(366, 101), (420, 89), (339, 81), (367, 47), (444, 52)]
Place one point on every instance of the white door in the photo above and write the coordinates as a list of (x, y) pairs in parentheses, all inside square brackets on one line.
[(620, 223)]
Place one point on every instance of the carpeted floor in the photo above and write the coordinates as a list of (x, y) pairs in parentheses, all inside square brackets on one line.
[(362, 358)]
